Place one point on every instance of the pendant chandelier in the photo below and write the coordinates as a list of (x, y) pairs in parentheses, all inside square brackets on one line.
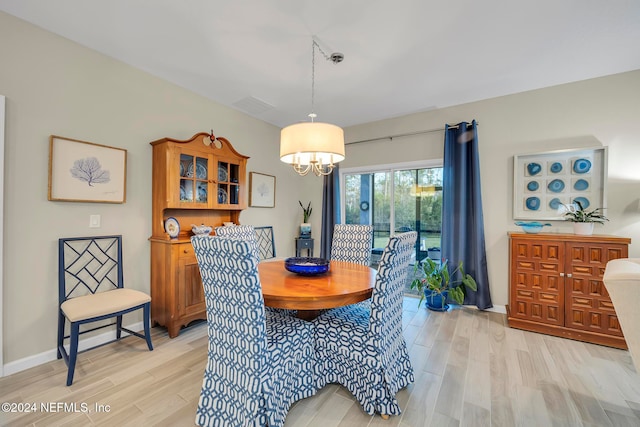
[(313, 146)]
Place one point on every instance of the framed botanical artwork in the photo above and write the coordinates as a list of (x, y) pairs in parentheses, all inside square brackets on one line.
[(262, 190), (544, 181), (81, 171)]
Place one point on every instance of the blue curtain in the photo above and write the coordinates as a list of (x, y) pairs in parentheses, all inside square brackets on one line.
[(330, 210), (462, 219)]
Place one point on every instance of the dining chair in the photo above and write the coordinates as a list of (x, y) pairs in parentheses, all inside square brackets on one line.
[(352, 243), (90, 289), (266, 242), (259, 363), (361, 346)]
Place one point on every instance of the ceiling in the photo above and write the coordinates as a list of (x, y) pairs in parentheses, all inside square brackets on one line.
[(401, 56)]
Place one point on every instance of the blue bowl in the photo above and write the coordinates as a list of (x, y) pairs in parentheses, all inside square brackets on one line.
[(306, 266), (531, 227)]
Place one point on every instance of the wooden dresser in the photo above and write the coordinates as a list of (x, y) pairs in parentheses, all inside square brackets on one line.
[(196, 181), (556, 288)]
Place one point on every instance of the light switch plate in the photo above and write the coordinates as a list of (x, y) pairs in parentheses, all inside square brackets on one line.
[(94, 221)]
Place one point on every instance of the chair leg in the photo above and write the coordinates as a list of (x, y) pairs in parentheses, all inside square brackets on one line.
[(61, 321), (118, 327), (73, 351), (147, 331)]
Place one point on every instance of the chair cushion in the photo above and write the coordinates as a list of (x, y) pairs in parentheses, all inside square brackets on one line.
[(345, 330), (99, 304)]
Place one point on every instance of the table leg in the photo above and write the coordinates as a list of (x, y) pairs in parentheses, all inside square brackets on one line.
[(308, 315)]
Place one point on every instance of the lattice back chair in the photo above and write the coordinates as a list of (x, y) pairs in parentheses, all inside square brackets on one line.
[(91, 289), (258, 363), (352, 242), (361, 346), (266, 242)]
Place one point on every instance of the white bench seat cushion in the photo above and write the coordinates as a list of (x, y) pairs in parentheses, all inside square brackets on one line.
[(95, 305)]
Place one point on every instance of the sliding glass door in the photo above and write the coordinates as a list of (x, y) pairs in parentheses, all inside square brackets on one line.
[(396, 199)]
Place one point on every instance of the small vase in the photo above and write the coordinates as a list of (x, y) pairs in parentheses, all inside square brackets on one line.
[(583, 228), (305, 230)]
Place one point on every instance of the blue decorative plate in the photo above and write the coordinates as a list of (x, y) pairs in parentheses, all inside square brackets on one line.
[(581, 185), (556, 167), (534, 168), (306, 266), (172, 227), (583, 201), (582, 166), (555, 203), (556, 186), (533, 186), (223, 176), (222, 196), (532, 203)]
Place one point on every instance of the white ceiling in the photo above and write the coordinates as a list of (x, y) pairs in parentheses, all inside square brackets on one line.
[(401, 56)]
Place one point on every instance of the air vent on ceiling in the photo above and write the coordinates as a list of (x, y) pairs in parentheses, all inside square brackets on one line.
[(252, 105)]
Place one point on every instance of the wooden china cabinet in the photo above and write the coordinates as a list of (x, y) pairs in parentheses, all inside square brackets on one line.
[(556, 286), (201, 180)]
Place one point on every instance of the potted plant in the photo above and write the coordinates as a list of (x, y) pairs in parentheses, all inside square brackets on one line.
[(435, 283), (305, 227), (582, 219)]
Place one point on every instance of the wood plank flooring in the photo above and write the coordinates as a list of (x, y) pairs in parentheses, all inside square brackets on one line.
[(471, 370)]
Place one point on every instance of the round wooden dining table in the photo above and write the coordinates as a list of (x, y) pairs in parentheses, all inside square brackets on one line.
[(345, 283)]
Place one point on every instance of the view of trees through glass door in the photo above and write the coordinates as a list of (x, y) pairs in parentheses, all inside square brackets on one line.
[(395, 201)]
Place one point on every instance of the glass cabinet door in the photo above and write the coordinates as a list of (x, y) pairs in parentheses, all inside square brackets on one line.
[(194, 175), (228, 183)]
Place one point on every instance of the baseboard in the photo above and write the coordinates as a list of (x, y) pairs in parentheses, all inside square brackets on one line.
[(49, 355)]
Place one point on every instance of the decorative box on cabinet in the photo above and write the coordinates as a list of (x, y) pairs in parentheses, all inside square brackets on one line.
[(197, 181), (556, 286)]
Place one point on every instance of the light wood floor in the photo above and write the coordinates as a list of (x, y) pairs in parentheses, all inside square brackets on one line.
[(471, 370)]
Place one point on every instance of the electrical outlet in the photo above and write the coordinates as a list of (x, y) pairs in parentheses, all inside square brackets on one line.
[(94, 221)]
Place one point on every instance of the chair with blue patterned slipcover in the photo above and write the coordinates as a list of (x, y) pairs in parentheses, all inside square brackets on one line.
[(266, 243), (241, 232), (361, 346), (259, 363), (352, 242)]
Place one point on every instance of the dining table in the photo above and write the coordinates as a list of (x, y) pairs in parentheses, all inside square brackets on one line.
[(345, 283)]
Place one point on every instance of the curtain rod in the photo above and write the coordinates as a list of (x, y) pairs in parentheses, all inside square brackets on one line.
[(401, 135)]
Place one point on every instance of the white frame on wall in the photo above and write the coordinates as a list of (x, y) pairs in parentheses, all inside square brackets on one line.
[(542, 180)]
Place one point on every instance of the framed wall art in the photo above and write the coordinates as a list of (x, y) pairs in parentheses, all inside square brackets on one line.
[(543, 181), (262, 190), (81, 171)]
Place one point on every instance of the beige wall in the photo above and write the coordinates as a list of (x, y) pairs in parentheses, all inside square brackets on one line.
[(54, 86), (592, 113)]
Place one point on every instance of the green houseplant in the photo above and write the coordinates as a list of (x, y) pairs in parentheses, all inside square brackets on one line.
[(582, 219), (305, 227), (435, 283)]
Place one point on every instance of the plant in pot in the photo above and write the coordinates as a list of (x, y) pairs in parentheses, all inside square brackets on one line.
[(305, 227), (582, 219), (435, 283)]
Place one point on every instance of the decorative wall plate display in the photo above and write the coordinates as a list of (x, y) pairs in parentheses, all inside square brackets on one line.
[(544, 181), (172, 227)]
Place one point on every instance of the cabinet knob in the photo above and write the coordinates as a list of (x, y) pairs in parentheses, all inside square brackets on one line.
[(569, 275), (186, 251), (561, 274)]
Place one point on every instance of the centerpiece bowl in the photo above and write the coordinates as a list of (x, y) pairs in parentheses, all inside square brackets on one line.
[(306, 266)]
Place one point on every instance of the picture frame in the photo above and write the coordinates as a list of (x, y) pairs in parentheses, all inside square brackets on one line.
[(542, 181), (81, 171), (262, 190)]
